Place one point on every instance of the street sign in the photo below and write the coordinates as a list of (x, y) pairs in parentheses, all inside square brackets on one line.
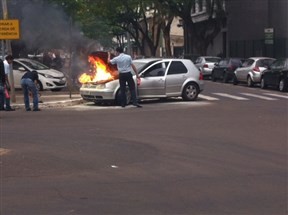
[(9, 29), (269, 36)]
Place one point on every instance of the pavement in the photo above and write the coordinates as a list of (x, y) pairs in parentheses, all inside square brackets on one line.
[(48, 99)]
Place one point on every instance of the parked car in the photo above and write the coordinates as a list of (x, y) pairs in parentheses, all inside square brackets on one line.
[(206, 64), (224, 70), (160, 78), (50, 79), (251, 70), (276, 75)]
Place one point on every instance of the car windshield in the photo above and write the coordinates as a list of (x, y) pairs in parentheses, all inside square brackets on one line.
[(279, 64), (34, 64)]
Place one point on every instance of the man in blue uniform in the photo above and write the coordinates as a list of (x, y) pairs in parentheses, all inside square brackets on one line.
[(125, 66)]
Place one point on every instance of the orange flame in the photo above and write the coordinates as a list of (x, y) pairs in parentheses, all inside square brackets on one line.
[(101, 72)]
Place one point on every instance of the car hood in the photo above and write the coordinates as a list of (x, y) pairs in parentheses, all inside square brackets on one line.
[(52, 72)]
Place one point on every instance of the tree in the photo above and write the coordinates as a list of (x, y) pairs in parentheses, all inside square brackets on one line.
[(198, 35)]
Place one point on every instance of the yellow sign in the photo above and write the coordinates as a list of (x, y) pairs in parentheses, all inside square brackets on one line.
[(9, 29)]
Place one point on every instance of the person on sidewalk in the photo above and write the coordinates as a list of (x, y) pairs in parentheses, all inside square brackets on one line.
[(7, 62), (2, 84), (125, 66), (29, 83)]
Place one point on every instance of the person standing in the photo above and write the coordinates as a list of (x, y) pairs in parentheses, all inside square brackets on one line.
[(125, 66), (7, 62), (28, 83), (2, 84)]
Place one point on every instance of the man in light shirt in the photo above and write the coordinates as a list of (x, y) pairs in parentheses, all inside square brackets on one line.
[(8, 60), (125, 66)]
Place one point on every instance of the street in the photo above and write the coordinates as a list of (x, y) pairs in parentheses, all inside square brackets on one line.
[(225, 153)]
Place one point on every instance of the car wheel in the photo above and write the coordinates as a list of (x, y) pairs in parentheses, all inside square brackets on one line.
[(250, 83), (39, 86), (263, 84), (213, 78), (225, 77), (118, 97), (282, 85), (235, 80), (190, 92)]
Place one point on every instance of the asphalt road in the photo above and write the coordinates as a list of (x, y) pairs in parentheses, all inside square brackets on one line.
[(218, 155)]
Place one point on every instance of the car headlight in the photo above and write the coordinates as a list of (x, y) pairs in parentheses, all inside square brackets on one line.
[(100, 86), (46, 75)]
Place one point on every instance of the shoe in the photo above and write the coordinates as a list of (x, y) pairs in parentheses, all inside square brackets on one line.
[(36, 109), (10, 109), (138, 106), (28, 109)]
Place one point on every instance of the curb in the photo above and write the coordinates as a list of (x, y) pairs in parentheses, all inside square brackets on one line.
[(50, 104)]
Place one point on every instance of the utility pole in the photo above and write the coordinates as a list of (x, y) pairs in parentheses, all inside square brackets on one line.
[(9, 50)]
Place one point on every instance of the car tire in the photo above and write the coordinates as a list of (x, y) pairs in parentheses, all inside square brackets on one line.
[(213, 78), (190, 92), (235, 80), (263, 84), (250, 82), (282, 85), (118, 97), (225, 77)]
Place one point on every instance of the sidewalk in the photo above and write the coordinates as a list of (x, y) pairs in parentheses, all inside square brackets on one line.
[(49, 99)]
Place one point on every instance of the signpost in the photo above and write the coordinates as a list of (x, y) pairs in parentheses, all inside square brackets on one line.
[(9, 29), (269, 36)]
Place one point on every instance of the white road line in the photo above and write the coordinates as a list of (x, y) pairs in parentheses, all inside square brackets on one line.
[(207, 97), (258, 96), (276, 95), (231, 96)]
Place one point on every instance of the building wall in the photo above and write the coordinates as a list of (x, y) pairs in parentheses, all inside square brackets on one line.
[(246, 23)]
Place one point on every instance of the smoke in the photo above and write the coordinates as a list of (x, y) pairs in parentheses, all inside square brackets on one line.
[(45, 26)]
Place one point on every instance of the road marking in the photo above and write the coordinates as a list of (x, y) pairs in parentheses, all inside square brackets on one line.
[(209, 98), (258, 96), (276, 95), (231, 96)]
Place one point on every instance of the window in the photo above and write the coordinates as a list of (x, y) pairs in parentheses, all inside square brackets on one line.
[(156, 71), (177, 67), (248, 62)]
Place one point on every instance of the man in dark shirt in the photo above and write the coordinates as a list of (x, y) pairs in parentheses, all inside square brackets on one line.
[(2, 84), (28, 83)]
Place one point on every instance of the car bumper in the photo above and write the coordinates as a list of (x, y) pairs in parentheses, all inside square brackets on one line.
[(97, 95), (206, 71), (50, 84)]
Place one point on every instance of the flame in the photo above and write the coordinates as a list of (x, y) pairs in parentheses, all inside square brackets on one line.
[(101, 72)]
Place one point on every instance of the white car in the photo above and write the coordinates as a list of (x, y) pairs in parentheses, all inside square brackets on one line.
[(160, 78), (206, 64), (251, 70), (50, 79)]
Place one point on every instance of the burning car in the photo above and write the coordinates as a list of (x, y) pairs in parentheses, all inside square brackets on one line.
[(160, 78)]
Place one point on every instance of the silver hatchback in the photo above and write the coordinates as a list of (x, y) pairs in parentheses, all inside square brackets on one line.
[(251, 70), (160, 78)]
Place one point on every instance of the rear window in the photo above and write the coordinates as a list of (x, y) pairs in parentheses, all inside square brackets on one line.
[(177, 67), (264, 62), (223, 62), (212, 59), (248, 62)]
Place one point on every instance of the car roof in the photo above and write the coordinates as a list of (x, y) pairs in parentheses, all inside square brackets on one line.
[(259, 58), (146, 60)]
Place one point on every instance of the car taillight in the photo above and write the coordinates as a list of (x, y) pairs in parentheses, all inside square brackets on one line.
[(201, 76), (205, 66), (256, 69)]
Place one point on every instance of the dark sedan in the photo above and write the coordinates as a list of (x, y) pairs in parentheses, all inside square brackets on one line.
[(224, 70), (276, 75)]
